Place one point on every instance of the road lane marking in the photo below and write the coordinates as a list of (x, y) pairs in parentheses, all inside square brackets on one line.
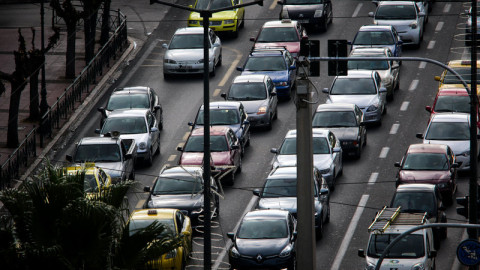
[(422, 65), (373, 178), (394, 128), (447, 8), (273, 5), (413, 85), (384, 152), (232, 67), (172, 158), (439, 26), (431, 44), (185, 137), (228, 243), (404, 106), (216, 92), (140, 204), (349, 234), (180, 144), (357, 10)]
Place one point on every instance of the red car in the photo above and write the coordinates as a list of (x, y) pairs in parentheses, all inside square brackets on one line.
[(429, 164), (224, 147)]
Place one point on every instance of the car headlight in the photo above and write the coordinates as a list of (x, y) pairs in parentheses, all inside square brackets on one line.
[(318, 13), (286, 251), (284, 14), (281, 84), (418, 266), (262, 110), (193, 22), (372, 108), (228, 22), (413, 25), (172, 254), (234, 253), (142, 145), (169, 61)]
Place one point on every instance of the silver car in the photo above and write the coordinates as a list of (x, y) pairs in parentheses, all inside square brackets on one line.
[(184, 54), (452, 129), (138, 124), (389, 70), (327, 154), (363, 88), (258, 96)]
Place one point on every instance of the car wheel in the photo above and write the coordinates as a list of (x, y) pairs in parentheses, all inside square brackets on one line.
[(219, 63), (323, 24), (213, 70), (358, 153), (157, 150), (275, 115), (247, 143), (319, 231), (397, 86), (384, 110), (242, 24), (443, 233), (132, 174), (436, 239), (149, 159), (293, 263), (390, 96), (327, 219), (269, 125), (365, 140)]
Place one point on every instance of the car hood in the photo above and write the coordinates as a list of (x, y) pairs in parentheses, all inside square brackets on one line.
[(319, 161), (139, 138), (458, 147), (400, 25), (196, 158), (432, 177), (361, 101), (185, 54), (276, 76), (264, 247), (251, 106), (178, 201), (345, 133), (292, 47), (221, 15), (114, 169)]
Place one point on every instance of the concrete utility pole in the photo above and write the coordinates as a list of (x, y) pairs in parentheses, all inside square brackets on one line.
[(306, 246)]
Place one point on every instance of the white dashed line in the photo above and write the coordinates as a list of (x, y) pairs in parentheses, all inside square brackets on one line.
[(404, 106), (139, 204), (447, 8), (273, 5), (431, 44), (413, 85), (216, 92), (384, 152), (394, 128), (439, 26), (422, 65), (172, 158), (349, 234), (185, 137), (373, 178), (357, 10)]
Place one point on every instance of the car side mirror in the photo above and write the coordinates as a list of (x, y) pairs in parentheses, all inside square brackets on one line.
[(437, 78), (239, 68), (190, 124), (371, 14), (165, 46), (224, 96), (454, 165), (179, 148), (97, 131), (252, 39), (349, 43), (69, 158), (235, 147), (433, 254), (421, 14), (280, 2), (325, 90), (400, 42), (156, 108), (395, 66), (146, 189), (442, 207), (428, 109), (273, 93), (274, 150), (363, 123), (128, 156), (256, 192), (337, 149), (154, 129), (361, 253), (419, 135), (231, 235), (292, 67), (397, 164), (101, 109), (324, 191)]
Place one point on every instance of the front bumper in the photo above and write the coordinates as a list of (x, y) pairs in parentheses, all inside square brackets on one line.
[(411, 36), (247, 262), (283, 91), (372, 116), (259, 120), (217, 26), (185, 68)]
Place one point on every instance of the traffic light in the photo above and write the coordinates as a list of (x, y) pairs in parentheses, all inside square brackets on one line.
[(337, 48), (463, 201), (311, 48)]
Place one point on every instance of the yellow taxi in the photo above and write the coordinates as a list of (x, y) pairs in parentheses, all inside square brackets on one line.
[(96, 178), (178, 223), (228, 21), (462, 67)]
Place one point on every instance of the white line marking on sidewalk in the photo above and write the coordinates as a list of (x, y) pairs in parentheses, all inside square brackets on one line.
[(447, 8), (384, 152), (394, 128), (349, 234), (357, 10), (404, 106), (439, 26), (413, 85), (373, 178), (422, 65), (431, 44)]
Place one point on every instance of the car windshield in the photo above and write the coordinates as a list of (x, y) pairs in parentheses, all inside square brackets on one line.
[(97, 153), (425, 161), (415, 202), (177, 185), (396, 12), (125, 125), (263, 229), (275, 188), (217, 144), (465, 73), (278, 34), (247, 91), (410, 246), (186, 41), (215, 4), (353, 86), (453, 104), (220, 117), (303, 2), (90, 183), (266, 63), (334, 119), (448, 131), (289, 146), (130, 101), (373, 38), (368, 65), (136, 225)]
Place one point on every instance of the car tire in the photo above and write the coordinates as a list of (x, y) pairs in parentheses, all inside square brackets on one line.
[(149, 160), (293, 264), (213, 70), (384, 110), (269, 125), (275, 115), (157, 150), (324, 24), (436, 239), (358, 153), (327, 219), (397, 86), (239, 167), (247, 143), (319, 231), (390, 97), (365, 140), (219, 63)]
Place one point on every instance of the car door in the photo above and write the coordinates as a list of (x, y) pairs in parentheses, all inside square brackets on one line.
[(292, 73), (214, 44), (337, 156), (272, 96), (153, 135)]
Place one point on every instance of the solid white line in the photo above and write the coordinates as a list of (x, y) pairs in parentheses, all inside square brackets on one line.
[(394, 128), (447, 7), (422, 65), (439, 26), (357, 10), (431, 44), (404, 106), (413, 85), (373, 178), (349, 234), (220, 258), (384, 152)]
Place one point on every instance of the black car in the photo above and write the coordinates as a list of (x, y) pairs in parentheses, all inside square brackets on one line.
[(345, 120), (135, 97), (318, 13), (181, 187), (264, 239), (421, 198)]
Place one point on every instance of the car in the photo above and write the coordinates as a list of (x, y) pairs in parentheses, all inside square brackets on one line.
[(452, 129), (308, 12), (363, 88), (134, 97), (264, 239), (225, 152), (177, 224), (283, 33), (95, 178), (463, 68), (327, 154), (258, 96), (422, 198), (346, 121), (227, 21), (431, 164), (181, 187), (277, 63), (137, 124), (423, 5), (389, 70), (184, 53), (227, 113), (405, 16), (374, 36), (280, 192)]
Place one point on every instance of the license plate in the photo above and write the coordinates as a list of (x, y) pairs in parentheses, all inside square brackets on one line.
[(303, 21)]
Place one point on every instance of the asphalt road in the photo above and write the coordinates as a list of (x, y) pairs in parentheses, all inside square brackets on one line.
[(366, 184)]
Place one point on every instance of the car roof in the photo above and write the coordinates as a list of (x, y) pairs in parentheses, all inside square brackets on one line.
[(316, 132), (450, 117), (266, 214), (335, 107), (128, 113), (98, 140), (155, 213), (179, 170), (395, 3), (131, 89), (452, 92), (369, 51), (233, 105), (358, 74), (280, 23), (250, 78), (416, 187), (214, 130), (373, 28), (189, 30), (427, 148)]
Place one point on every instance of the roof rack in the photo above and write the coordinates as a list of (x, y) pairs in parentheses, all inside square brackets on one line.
[(393, 216), (268, 48)]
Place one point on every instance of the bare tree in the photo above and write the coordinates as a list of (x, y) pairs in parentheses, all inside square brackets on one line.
[(105, 22), (90, 12)]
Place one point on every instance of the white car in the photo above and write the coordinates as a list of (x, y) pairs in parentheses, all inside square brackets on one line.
[(184, 53), (406, 16)]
